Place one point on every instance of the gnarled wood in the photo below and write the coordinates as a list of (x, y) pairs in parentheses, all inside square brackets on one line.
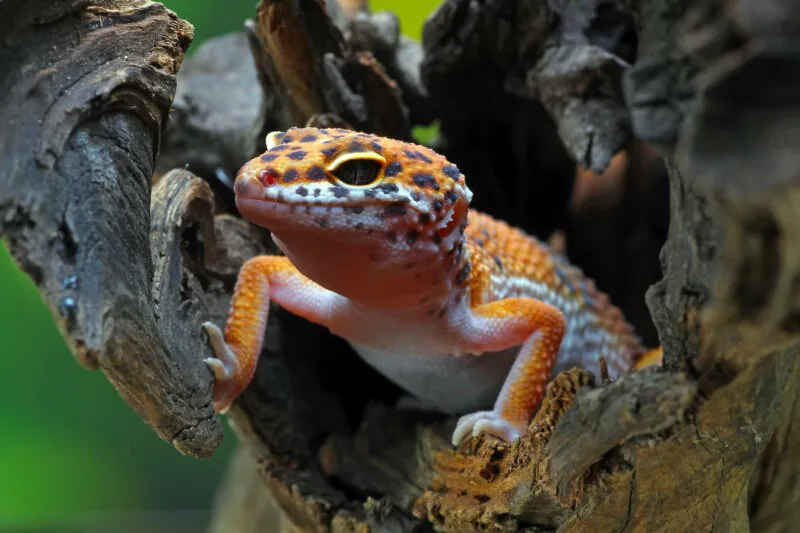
[(709, 442)]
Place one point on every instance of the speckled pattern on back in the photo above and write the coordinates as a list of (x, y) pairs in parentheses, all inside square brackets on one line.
[(506, 262)]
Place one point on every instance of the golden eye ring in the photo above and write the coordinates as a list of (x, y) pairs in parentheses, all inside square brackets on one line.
[(357, 169)]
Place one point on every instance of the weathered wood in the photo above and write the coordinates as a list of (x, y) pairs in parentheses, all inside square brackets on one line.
[(708, 443), (87, 89)]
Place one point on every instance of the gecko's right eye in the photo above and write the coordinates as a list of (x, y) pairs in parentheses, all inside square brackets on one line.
[(358, 172)]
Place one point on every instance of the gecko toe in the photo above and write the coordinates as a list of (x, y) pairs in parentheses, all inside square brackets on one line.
[(499, 428), (488, 422), (224, 366), (465, 426)]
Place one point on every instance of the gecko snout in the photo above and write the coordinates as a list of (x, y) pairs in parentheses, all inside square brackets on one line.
[(251, 181)]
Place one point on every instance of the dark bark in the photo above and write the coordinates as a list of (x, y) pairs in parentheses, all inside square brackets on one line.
[(523, 92), (86, 91)]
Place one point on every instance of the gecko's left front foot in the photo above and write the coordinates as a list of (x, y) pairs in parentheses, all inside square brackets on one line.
[(487, 422)]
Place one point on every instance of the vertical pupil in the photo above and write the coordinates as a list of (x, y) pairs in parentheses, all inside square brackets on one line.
[(358, 171)]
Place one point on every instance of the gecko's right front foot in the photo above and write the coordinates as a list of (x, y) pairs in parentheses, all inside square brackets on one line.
[(225, 367)]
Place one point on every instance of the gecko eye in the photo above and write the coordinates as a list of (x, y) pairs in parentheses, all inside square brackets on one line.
[(357, 169), (358, 172)]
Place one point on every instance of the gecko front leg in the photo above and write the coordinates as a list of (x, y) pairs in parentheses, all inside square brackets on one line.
[(539, 328), (261, 279)]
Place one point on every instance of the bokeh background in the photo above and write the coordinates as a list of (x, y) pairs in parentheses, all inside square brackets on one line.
[(73, 456)]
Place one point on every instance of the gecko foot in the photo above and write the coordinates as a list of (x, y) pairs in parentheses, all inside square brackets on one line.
[(225, 367), (486, 422)]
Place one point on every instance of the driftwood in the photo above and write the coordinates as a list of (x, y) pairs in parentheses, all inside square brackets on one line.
[(682, 138)]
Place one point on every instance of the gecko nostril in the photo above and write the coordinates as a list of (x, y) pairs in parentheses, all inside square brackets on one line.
[(267, 177)]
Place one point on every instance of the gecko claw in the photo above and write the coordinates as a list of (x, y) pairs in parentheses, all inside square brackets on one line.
[(488, 422)]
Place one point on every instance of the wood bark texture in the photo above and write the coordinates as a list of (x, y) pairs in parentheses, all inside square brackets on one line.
[(682, 119)]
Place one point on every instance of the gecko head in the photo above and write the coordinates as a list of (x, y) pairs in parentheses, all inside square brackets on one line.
[(333, 194)]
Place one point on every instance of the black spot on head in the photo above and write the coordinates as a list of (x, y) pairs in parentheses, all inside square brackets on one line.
[(279, 148), (355, 147), (412, 236), (286, 139), (308, 138), (297, 156), (437, 205), (451, 196), (358, 209), (387, 188), (375, 145), (424, 219), (280, 196), (302, 191), (269, 157), (317, 192), (423, 157), (485, 233), (324, 131), (340, 192), (451, 171), (423, 179), (341, 130), (370, 193), (409, 154), (392, 169), (479, 242), (437, 239), (290, 175), (415, 196), (463, 273), (316, 173), (498, 262), (395, 209), (328, 152)]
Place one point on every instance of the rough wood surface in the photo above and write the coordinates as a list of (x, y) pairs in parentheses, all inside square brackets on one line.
[(522, 92), (87, 88)]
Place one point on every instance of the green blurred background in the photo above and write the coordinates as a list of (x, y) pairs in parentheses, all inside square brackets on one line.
[(73, 456)]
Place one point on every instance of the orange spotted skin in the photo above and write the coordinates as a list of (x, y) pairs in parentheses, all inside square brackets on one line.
[(500, 253), (469, 315)]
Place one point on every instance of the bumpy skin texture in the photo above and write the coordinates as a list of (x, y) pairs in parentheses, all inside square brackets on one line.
[(468, 314)]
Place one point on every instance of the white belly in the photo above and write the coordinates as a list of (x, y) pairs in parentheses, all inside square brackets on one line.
[(451, 384), (414, 354)]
